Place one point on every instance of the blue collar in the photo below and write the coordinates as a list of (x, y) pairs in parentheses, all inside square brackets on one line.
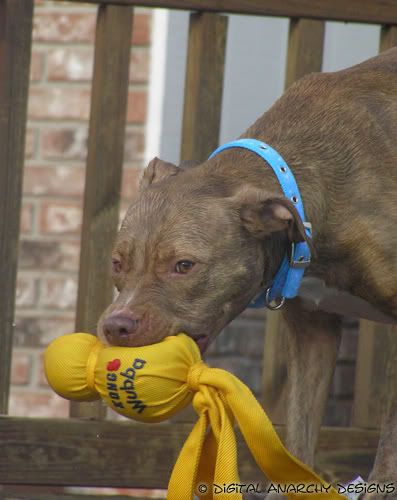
[(286, 283)]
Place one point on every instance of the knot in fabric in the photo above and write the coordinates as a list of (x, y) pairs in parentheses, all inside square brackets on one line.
[(194, 375)]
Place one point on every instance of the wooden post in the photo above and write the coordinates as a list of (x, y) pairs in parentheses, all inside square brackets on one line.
[(104, 171), (388, 37), (204, 85), (376, 374), (274, 371), (15, 48), (305, 52), (305, 48)]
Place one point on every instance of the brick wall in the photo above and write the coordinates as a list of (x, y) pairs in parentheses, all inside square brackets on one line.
[(58, 110)]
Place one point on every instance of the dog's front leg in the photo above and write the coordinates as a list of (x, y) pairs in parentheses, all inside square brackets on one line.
[(313, 343)]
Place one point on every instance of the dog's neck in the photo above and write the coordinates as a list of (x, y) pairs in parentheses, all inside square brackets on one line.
[(242, 162)]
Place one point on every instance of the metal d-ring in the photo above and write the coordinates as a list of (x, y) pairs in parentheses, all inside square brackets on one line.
[(268, 302)]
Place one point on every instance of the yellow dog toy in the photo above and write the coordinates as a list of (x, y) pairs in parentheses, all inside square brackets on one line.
[(154, 382)]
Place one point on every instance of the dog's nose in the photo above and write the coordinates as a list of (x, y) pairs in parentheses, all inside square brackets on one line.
[(119, 327)]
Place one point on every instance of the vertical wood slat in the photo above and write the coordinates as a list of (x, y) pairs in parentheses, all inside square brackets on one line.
[(305, 48), (388, 37), (104, 172), (305, 52), (16, 17), (204, 85), (203, 97), (376, 374), (274, 371), (375, 377)]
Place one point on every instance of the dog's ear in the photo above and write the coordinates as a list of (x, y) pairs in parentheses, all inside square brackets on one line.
[(263, 214), (156, 171)]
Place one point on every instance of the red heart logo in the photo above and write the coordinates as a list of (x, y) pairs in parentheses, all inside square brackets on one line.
[(114, 365)]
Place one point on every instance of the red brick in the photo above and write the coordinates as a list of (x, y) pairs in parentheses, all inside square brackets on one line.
[(68, 143), (54, 181), (55, 255), (130, 182), (41, 378), (136, 111), (27, 217), (139, 66), (80, 27), (64, 26), (71, 144), (26, 291), (59, 103), (30, 403), (38, 331), (134, 145), (60, 217), (70, 64), (64, 143), (30, 143), (58, 292), (21, 366), (36, 66), (141, 29), (67, 64)]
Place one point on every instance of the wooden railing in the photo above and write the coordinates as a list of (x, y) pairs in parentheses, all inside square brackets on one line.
[(97, 452)]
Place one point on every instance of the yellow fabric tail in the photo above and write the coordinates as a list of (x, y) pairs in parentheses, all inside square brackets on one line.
[(211, 459)]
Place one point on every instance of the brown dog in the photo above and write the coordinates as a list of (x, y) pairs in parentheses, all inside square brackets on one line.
[(199, 243)]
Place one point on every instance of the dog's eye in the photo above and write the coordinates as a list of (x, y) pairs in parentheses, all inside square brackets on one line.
[(184, 266), (116, 266)]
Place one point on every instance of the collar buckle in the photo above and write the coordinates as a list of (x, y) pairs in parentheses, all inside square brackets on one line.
[(298, 262), (300, 259)]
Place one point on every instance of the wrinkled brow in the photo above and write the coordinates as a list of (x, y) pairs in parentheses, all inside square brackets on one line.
[(184, 247)]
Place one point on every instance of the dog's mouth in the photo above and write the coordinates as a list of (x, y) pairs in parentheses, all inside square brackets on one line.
[(122, 340), (202, 341)]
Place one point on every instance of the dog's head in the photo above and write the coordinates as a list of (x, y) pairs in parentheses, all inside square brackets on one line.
[(192, 252)]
